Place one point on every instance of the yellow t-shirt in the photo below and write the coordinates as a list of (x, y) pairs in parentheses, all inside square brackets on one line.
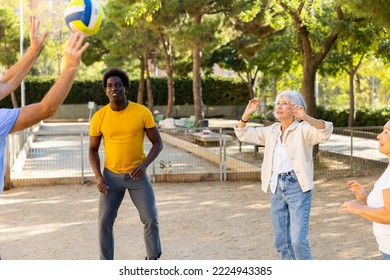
[(123, 135)]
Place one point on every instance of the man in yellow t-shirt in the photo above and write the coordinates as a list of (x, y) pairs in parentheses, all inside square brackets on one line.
[(122, 125)]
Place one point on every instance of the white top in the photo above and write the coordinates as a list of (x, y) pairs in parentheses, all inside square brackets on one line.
[(298, 144), (281, 163), (375, 200)]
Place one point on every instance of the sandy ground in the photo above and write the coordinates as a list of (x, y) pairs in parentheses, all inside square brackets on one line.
[(199, 221)]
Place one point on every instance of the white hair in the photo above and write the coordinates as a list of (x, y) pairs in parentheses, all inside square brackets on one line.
[(294, 96)]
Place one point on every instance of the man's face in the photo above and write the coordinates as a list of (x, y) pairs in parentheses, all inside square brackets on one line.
[(115, 90)]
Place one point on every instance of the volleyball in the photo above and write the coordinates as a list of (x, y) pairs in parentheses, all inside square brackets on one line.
[(84, 16)]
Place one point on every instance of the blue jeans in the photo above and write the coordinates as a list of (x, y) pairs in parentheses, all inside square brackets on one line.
[(290, 209), (385, 256), (142, 195)]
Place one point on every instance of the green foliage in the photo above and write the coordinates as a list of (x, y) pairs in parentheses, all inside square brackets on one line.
[(247, 15), (338, 117), (243, 23), (81, 92), (228, 57), (215, 91), (364, 116), (9, 37), (96, 51), (384, 49), (372, 117), (224, 92), (357, 39), (142, 9), (377, 11)]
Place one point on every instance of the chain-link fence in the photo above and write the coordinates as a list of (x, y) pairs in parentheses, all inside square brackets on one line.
[(351, 152), (189, 154)]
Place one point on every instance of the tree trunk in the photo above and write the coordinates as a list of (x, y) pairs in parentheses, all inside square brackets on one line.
[(141, 85), (149, 90), (197, 81), (311, 60), (251, 82), (14, 100), (254, 80), (308, 84), (275, 87), (352, 99), (7, 171), (170, 82), (352, 102), (249, 85)]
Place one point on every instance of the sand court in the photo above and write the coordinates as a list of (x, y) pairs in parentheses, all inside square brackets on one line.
[(198, 221)]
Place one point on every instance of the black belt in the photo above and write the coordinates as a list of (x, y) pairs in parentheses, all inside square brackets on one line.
[(287, 173)]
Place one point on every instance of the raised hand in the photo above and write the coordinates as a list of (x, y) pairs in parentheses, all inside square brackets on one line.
[(74, 50), (297, 111), (252, 106), (36, 40)]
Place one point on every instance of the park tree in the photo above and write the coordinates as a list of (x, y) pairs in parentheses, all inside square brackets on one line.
[(161, 16), (230, 57), (202, 30), (358, 40), (50, 15), (376, 11), (317, 25), (378, 71), (10, 37), (165, 22), (96, 50), (132, 41), (9, 42), (251, 53), (253, 59)]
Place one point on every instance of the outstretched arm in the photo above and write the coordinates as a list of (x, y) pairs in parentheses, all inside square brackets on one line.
[(379, 215), (14, 76), (34, 113)]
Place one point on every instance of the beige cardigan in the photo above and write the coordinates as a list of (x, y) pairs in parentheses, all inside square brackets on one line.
[(298, 144)]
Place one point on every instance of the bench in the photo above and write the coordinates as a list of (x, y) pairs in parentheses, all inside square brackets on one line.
[(208, 138), (230, 131), (255, 146)]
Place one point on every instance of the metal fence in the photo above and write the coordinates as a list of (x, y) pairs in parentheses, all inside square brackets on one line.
[(351, 152), (189, 154)]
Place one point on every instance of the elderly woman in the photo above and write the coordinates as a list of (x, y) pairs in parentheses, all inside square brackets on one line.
[(375, 206), (287, 168)]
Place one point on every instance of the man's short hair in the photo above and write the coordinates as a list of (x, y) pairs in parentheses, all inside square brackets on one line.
[(115, 72)]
